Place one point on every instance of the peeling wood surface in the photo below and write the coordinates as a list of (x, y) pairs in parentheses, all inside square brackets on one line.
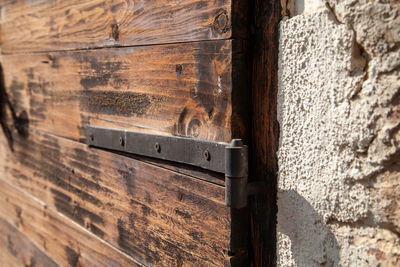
[(159, 217), (175, 89), (75, 24), (64, 241)]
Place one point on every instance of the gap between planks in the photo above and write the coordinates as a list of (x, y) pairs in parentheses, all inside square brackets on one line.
[(105, 47)]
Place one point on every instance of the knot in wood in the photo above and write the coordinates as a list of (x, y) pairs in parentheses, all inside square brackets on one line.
[(221, 22)]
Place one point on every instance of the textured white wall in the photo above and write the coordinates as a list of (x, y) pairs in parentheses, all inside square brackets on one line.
[(339, 152)]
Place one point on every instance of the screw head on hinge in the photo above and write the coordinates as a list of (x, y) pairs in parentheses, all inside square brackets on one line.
[(157, 147), (121, 141), (207, 155)]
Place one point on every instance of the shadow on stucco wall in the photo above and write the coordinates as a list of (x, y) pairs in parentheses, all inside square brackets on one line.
[(312, 243)]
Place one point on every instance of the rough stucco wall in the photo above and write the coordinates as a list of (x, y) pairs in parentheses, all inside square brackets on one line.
[(339, 152)]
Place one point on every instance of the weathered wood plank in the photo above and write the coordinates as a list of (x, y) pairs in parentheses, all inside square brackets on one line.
[(197, 173), (160, 217), (49, 25), (18, 250), (184, 90), (65, 242)]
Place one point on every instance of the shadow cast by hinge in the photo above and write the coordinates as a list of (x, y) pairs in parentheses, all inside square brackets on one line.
[(312, 243)]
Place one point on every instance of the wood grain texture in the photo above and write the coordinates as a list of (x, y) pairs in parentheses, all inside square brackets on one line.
[(159, 217), (76, 24), (18, 250), (64, 241), (183, 90), (56, 84), (264, 44)]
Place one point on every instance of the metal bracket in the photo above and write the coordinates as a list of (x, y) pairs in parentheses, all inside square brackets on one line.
[(229, 158)]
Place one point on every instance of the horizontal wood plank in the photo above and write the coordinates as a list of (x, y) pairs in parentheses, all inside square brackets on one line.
[(64, 241), (159, 217), (183, 90), (49, 25), (18, 250)]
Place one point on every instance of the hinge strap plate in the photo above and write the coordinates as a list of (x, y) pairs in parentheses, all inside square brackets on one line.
[(204, 154), (228, 158)]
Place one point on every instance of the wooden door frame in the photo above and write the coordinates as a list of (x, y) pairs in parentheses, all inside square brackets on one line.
[(264, 46)]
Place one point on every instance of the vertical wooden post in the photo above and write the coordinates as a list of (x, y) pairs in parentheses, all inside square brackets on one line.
[(265, 129)]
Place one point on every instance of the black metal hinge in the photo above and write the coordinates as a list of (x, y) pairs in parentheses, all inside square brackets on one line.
[(228, 158)]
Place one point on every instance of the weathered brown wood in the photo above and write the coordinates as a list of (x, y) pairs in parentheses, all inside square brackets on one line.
[(265, 129), (64, 241), (59, 25), (54, 85), (198, 173), (18, 250), (159, 217), (184, 90)]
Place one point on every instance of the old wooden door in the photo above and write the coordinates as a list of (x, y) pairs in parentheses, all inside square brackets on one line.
[(166, 67)]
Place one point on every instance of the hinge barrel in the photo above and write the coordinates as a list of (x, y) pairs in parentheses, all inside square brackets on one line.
[(236, 174)]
